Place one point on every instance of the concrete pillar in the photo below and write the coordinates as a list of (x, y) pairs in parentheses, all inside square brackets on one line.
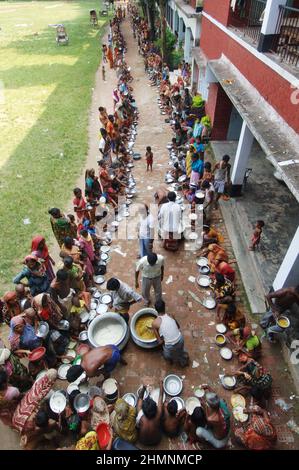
[(188, 45), (288, 273), (269, 24), (241, 159)]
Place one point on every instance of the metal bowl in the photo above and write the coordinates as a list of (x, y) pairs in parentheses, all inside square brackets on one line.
[(283, 319), (83, 336), (94, 391), (57, 402), (209, 303), (220, 340), (226, 353), (81, 403), (43, 329), (63, 325), (180, 402), (143, 343), (202, 261), (110, 323), (229, 382), (131, 399), (204, 270), (106, 299), (102, 308), (191, 403), (173, 385)]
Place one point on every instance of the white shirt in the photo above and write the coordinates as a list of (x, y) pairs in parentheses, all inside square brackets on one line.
[(170, 216), (149, 271), (146, 227), (169, 330), (124, 295)]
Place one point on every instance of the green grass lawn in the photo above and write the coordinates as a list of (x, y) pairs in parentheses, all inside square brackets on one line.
[(45, 95)]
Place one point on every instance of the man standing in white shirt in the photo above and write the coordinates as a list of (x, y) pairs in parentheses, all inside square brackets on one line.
[(152, 269), (145, 231), (170, 218)]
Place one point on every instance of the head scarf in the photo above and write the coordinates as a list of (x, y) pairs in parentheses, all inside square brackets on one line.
[(99, 413), (29, 258), (14, 338), (9, 296), (44, 253), (124, 422)]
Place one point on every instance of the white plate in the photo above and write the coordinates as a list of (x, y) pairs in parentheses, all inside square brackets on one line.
[(191, 403), (180, 402), (93, 305), (226, 353), (210, 303), (102, 308), (130, 398), (221, 328), (105, 249), (106, 299), (62, 371), (204, 281), (72, 354), (57, 402), (202, 261), (105, 256), (239, 414), (199, 392), (98, 279), (84, 317), (97, 294)]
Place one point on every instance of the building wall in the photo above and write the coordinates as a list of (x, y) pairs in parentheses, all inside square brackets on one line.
[(274, 88), (219, 108), (219, 9)]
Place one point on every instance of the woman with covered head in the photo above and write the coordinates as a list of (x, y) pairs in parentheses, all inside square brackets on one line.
[(40, 250), (35, 274), (22, 336), (61, 225), (124, 421)]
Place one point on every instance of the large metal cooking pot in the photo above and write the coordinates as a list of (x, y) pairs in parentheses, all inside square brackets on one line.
[(104, 320), (143, 343)]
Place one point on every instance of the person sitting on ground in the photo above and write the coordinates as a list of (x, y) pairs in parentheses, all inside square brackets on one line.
[(149, 418), (218, 420), (223, 289), (258, 433), (124, 421), (172, 419), (247, 343), (170, 336), (210, 236), (224, 268), (231, 316), (123, 297), (194, 421), (214, 252), (97, 361), (256, 380)]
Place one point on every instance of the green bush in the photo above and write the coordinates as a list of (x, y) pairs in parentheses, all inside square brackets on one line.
[(206, 122), (175, 58), (198, 101), (170, 43)]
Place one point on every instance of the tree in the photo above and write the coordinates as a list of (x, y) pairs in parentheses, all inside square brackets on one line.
[(162, 4)]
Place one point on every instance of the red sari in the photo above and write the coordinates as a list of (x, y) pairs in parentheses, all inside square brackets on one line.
[(43, 254)]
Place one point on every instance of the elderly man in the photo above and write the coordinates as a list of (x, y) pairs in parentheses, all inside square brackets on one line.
[(170, 218), (152, 269), (123, 296), (218, 420)]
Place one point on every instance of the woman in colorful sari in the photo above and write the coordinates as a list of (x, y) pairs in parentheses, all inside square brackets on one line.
[(70, 249), (79, 205), (259, 433), (225, 269), (210, 236), (17, 373), (124, 421), (40, 250), (23, 419), (110, 56), (9, 397), (189, 156), (22, 336), (11, 305), (36, 275), (231, 316), (47, 309), (60, 225), (87, 245), (196, 169)]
